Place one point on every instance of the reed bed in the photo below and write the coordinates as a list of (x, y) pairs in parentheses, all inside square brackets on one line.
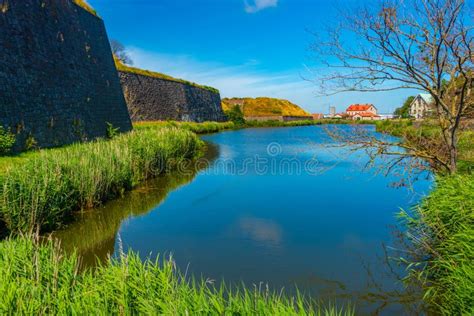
[(441, 229), (42, 193), (39, 279), (198, 128)]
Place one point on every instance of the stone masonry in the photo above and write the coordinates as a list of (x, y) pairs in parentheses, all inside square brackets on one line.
[(58, 81), (156, 99)]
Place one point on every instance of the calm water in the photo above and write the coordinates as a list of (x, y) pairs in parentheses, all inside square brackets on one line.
[(274, 205)]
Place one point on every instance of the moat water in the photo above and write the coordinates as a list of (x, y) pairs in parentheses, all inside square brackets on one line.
[(280, 206)]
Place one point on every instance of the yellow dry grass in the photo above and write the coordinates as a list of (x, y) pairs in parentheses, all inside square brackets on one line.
[(265, 107)]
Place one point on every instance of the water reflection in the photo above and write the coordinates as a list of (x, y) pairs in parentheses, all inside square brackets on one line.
[(239, 223), (93, 233), (260, 230)]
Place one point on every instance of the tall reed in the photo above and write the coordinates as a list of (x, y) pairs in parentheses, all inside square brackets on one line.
[(198, 128), (48, 186), (38, 280), (441, 229)]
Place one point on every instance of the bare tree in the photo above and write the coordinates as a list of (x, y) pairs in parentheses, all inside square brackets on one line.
[(406, 44), (120, 52)]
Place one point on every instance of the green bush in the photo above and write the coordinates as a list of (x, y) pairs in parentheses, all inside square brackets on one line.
[(53, 183), (235, 115), (7, 140), (40, 280)]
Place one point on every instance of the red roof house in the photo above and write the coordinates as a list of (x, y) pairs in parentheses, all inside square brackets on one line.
[(362, 112)]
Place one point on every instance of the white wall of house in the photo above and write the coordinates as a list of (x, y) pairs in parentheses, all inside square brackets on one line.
[(419, 108)]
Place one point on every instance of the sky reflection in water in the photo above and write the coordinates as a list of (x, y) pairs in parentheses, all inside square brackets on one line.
[(318, 230)]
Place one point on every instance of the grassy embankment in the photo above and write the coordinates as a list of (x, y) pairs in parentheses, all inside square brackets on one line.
[(38, 280), (41, 189), (441, 230), (213, 127), (198, 128), (302, 123)]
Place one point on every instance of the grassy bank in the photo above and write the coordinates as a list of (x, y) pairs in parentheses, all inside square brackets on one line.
[(214, 127), (38, 280), (250, 124), (42, 189), (198, 128), (415, 132), (441, 229)]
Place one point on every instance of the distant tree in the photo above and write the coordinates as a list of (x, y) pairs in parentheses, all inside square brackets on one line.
[(405, 44), (120, 52), (404, 110), (235, 115)]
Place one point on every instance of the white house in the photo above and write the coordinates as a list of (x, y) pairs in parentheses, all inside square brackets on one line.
[(420, 107)]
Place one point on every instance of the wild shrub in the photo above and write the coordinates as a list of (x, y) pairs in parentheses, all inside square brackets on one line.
[(7, 140), (111, 131), (235, 115)]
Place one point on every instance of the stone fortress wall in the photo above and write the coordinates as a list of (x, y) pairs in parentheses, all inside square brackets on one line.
[(58, 81), (151, 99)]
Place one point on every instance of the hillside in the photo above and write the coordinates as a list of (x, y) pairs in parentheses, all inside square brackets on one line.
[(264, 107)]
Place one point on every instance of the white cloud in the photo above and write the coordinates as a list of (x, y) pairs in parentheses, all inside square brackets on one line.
[(250, 80), (258, 5)]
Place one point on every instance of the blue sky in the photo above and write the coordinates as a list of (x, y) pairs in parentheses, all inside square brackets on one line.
[(242, 47)]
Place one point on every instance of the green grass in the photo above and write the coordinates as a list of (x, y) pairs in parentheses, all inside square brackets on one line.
[(38, 280), (214, 127), (153, 74), (14, 161), (279, 123), (442, 232), (301, 123), (45, 187), (198, 128)]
